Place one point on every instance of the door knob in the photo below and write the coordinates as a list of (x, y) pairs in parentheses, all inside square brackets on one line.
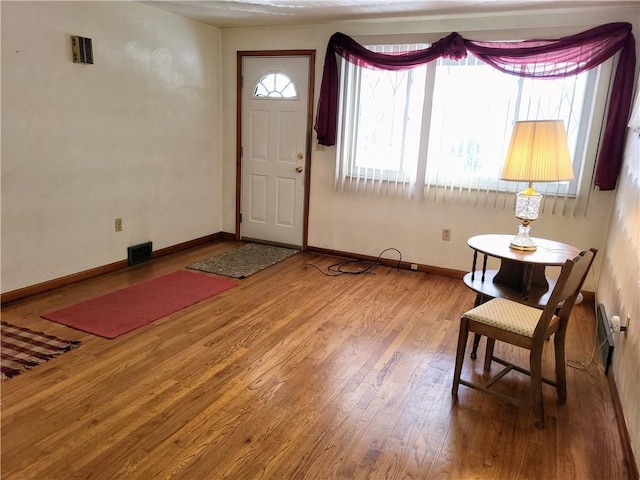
[(299, 169)]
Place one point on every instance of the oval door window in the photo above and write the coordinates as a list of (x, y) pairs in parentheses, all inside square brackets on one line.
[(275, 85)]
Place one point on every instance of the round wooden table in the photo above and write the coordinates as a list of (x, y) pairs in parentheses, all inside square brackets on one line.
[(521, 276)]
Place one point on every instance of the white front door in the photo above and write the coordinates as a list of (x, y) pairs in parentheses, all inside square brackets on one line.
[(274, 148)]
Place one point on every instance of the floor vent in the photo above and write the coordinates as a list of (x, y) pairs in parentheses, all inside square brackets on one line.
[(139, 253), (605, 339)]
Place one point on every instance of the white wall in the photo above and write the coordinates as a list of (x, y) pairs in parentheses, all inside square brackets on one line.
[(367, 225), (619, 285), (136, 135)]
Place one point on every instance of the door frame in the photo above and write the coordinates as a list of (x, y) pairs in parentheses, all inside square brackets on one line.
[(311, 54)]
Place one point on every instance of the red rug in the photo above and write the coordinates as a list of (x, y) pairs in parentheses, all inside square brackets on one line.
[(120, 312)]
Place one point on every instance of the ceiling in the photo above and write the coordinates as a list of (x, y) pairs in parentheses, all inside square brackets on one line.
[(241, 13)]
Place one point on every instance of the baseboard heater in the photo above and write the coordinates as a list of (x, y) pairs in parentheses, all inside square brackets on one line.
[(139, 253), (605, 339)]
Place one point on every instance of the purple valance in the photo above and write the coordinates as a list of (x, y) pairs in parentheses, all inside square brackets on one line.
[(530, 58)]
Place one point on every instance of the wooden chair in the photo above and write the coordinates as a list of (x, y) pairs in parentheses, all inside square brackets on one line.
[(526, 327)]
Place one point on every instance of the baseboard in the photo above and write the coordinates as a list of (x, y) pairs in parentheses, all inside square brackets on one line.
[(191, 243), (629, 457), (21, 293), (25, 292), (447, 272)]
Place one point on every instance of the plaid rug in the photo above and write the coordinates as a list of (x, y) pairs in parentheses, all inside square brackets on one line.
[(22, 349)]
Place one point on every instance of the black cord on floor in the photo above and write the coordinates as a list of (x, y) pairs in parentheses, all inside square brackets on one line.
[(342, 268)]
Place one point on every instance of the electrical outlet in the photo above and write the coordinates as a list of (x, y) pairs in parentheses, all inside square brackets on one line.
[(414, 266), (446, 234), (617, 326), (118, 224)]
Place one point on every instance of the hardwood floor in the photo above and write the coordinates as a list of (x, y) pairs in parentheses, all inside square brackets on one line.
[(294, 375)]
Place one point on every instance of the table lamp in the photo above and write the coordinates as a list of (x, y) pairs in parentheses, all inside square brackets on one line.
[(538, 152)]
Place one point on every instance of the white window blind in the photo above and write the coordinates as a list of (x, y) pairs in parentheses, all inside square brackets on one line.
[(439, 132)]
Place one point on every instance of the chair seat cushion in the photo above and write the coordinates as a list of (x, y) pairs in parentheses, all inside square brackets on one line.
[(506, 315)]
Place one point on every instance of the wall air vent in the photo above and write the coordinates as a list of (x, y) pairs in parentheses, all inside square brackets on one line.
[(82, 49), (139, 253)]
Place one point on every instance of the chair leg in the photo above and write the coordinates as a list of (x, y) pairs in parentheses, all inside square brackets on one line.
[(488, 356), (535, 367), (476, 343), (480, 298), (462, 346), (561, 376)]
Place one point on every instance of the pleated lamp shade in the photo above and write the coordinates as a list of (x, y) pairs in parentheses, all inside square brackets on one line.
[(538, 152)]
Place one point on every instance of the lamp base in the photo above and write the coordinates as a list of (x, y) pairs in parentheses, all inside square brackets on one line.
[(522, 241)]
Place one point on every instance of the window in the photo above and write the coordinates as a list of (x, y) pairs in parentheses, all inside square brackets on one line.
[(275, 85), (448, 124), (384, 110)]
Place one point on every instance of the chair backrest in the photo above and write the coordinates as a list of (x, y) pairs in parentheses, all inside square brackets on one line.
[(564, 295)]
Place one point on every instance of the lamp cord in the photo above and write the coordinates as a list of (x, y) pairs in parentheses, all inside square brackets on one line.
[(340, 268)]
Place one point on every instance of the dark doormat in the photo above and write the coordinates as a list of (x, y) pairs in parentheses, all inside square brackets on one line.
[(244, 261)]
